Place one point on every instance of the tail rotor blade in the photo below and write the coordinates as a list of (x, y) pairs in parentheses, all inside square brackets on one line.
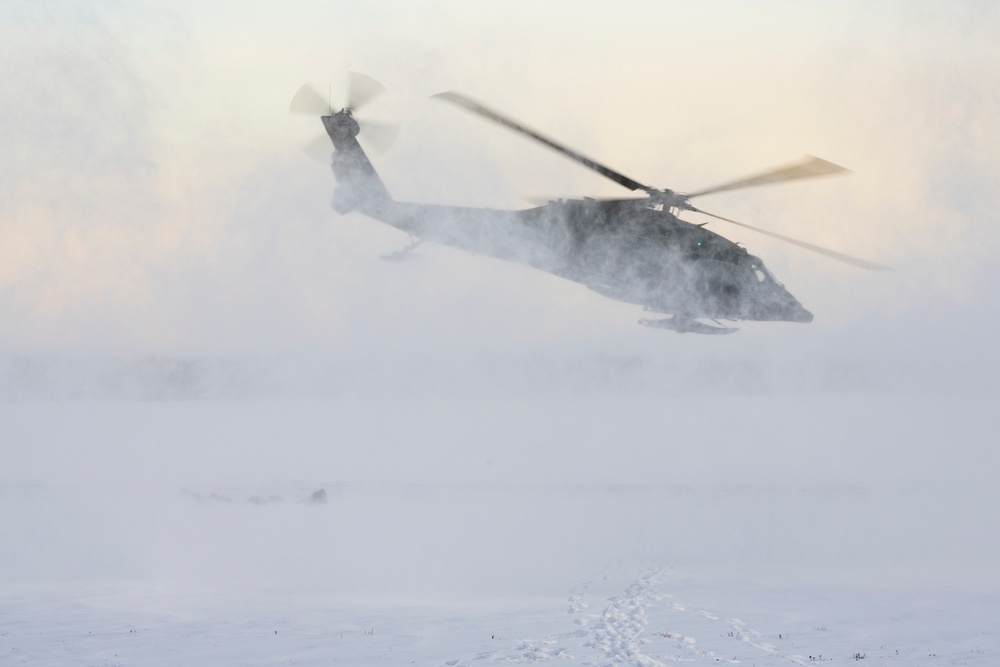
[(826, 252), (319, 149), (308, 100), (379, 135), (363, 89)]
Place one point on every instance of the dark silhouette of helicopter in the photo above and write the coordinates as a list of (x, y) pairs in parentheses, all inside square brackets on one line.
[(635, 250)]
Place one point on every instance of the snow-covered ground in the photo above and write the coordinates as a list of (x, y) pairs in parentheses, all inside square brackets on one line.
[(732, 529), (647, 617)]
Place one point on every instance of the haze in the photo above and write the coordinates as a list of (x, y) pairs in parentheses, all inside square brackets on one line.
[(183, 316)]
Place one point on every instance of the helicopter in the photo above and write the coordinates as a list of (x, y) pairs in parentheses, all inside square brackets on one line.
[(636, 249)]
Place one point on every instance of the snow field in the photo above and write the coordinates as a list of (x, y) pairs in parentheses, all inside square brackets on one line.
[(713, 530)]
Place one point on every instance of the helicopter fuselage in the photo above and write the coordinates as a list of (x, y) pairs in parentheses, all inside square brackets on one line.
[(630, 250)]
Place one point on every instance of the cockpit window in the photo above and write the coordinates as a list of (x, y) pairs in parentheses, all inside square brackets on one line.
[(760, 271)]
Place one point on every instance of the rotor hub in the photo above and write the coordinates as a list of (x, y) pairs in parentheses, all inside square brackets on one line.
[(670, 199), (341, 125)]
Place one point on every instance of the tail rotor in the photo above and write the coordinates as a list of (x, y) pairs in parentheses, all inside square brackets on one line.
[(361, 90)]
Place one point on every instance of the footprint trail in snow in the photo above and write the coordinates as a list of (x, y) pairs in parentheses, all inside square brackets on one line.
[(641, 626)]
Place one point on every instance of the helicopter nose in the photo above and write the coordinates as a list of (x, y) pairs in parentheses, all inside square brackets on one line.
[(784, 307), (800, 314), (793, 311)]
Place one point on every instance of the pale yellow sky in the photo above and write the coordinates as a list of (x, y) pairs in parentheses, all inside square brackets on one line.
[(154, 196)]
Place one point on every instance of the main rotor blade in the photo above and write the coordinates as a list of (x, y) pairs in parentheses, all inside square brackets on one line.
[(808, 168), (540, 200), (832, 254), (475, 107), (308, 100), (363, 89)]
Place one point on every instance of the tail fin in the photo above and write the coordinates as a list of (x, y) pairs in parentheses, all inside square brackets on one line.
[(359, 186)]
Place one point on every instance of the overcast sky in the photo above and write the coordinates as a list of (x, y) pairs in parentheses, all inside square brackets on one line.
[(154, 198)]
